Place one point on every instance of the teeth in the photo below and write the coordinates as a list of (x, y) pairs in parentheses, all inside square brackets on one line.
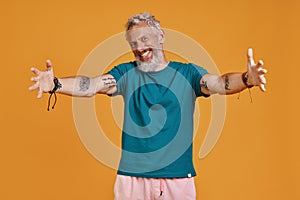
[(145, 54)]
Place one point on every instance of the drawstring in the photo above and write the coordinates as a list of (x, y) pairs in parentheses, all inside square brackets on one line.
[(57, 85), (161, 180), (55, 100), (249, 94)]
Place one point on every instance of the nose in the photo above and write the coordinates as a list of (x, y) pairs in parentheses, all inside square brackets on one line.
[(140, 46)]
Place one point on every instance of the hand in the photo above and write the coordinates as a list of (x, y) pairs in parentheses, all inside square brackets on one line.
[(43, 79), (256, 74)]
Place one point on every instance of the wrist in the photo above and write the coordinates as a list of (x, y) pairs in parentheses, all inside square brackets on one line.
[(246, 80), (57, 85)]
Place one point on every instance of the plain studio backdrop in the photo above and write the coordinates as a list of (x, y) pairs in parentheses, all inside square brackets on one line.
[(257, 155)]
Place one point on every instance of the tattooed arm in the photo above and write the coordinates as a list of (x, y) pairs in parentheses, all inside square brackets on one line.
[(229, 83), (84, 86), (232, 83), (74, 86)]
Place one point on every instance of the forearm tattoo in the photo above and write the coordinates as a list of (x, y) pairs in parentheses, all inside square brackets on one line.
[(204, 84), (227, 83), (109, 81), (84, 83)]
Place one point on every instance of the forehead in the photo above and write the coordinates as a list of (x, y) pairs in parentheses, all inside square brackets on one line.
[(139, 30)]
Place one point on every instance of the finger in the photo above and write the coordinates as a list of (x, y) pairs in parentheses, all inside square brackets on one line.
[(263, 79), (259, 64), (34, 78), (262, 71), (250, 57), (48, 65), (40, 93), (35, 70), (33, 87), (262, 87)]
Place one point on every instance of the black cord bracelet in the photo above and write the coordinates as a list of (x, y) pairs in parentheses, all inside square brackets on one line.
[(57, 85), (245, 80)]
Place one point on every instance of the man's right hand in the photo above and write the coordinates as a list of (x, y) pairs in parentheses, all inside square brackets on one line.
[(43, 79)]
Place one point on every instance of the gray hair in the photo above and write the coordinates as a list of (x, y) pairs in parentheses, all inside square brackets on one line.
[(143, 17)]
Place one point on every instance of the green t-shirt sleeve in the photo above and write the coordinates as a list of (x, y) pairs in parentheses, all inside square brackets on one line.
[(119, 73), (197, 73)]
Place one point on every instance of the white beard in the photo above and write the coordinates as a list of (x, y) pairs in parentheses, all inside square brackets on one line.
[(153, 64)]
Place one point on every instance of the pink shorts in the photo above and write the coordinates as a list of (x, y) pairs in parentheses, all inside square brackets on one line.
[(135, 188)]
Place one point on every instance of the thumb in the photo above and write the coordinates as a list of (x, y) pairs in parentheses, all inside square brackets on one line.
[(250, 58), (49, 65)]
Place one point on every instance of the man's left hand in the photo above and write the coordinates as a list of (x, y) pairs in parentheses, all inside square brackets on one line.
[(256, 74)]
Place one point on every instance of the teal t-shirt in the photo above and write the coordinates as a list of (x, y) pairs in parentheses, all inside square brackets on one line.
[(157, 135)]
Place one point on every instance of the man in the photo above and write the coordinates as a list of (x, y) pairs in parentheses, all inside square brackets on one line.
[(159, 97)]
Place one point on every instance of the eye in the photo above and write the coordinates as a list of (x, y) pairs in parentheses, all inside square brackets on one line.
[(144, 39), (132, 44)]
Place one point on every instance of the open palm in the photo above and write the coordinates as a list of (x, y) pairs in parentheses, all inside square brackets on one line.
[(256, 74), (43, 79)]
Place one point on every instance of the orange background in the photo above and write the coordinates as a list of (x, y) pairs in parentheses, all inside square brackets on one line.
[(257, 156)]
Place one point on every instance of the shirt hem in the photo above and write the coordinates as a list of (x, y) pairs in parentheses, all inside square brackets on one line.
[(185, 175)]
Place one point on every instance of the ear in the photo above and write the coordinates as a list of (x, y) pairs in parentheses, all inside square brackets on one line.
[(161, 37)]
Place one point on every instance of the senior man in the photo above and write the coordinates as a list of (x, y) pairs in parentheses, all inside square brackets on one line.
[(159, 97)]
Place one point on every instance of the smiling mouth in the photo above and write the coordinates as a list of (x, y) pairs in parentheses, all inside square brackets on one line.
[(145, 55)]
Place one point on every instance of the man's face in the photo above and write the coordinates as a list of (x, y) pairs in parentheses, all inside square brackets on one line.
[(146, 45)]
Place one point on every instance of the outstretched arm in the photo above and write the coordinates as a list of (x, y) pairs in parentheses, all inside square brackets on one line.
[(75, 86), (231, 83)]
